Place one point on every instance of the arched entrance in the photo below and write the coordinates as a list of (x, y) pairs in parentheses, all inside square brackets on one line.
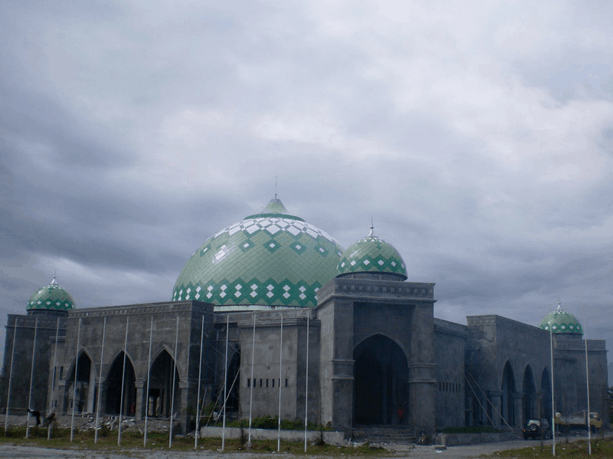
[(381, 376), (83, 398), (159, 401), (529, 395), (545, 395), (508, 391), (113, 387)]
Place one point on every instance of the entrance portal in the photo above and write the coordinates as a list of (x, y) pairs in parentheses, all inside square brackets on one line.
[(381, 377)]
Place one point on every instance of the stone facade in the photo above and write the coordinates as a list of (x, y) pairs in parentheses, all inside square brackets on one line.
[(376, 355)]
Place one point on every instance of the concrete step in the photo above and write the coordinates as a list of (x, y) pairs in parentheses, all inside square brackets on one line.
[(383, 434)]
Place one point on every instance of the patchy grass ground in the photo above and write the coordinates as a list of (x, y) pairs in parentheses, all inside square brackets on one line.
[(601, 449), (107, 441)]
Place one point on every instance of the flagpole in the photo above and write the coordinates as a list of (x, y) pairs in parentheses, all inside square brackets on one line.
[(74, 387), (587, 379), (174, 381), (280, 376), (57, 332), (123, 380), (97, 428), (31, 378), (225, 384), (553, 408), (252, 381), (197, 432), (148, 377), (306, 390), (8, 395)]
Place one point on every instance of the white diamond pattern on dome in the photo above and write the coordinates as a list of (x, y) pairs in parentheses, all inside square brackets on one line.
[(292, 247)]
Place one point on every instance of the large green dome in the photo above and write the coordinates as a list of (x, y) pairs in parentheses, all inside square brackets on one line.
[(561, 322), (270, 258), (51, 297), (372, 254)]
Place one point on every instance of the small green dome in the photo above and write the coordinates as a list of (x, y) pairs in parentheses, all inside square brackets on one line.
[(561, 322), (372, 254), (52, 297), (270, 258)]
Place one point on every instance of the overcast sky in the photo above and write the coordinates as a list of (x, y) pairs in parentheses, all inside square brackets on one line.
[(477, 134)]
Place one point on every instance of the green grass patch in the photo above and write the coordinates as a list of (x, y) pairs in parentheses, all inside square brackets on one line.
[(133, 440), (601, 449)]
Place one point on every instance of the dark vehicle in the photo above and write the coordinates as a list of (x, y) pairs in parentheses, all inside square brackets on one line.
[(537, 428)]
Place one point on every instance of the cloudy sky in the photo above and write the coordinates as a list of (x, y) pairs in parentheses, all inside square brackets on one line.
[(477, 134)]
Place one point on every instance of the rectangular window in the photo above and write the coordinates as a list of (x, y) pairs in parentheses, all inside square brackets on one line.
[(285, 382), (260, 382), (273, 383), (266, 382), (248, 382)]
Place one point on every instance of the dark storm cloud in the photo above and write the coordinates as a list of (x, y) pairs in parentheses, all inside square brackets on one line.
[(478, 139)]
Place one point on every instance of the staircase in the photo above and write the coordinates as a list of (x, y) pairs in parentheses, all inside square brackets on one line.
[(397, 434)]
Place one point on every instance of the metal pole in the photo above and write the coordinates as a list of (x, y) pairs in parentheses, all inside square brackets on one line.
[(252, 381), (57, 332), (553, 407), (174, 381), (148, 377), (31, 378), (197, 432), (225, 384), (587, 379), (8, 395), (100, 383), (123, 380), (280, 376), (74, 387), (306, 390)]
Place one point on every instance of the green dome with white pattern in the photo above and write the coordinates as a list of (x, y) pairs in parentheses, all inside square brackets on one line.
[(51, 297), (561, 322), (270, 258), (372, 254)]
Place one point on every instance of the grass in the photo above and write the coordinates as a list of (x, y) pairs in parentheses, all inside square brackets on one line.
[(601, 449), (107, 441)]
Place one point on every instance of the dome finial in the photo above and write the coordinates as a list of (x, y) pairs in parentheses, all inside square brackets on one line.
[(372, 227), (276, 187)]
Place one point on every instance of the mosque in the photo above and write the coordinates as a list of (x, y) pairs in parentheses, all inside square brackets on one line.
[(271, 315)]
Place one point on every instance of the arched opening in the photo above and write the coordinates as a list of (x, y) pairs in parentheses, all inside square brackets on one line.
[(381, 376), (529, 405), (113, 387), (84, 396), (159, 400), (508, 391), (545, 395)]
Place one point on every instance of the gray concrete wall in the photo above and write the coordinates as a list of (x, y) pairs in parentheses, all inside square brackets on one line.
[(449, 351)]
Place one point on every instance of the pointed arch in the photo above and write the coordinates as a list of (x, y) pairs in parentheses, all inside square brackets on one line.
[(84, 396), (508, 394), (545, 394), (529, 393), (381, 374), (113, 384), (159, 398)]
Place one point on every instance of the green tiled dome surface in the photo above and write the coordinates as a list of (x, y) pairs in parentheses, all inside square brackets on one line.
[(372, 254), (561, 322), (51, 296), (270, 258)]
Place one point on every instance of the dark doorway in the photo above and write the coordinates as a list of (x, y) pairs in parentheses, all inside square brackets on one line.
[(545, 395), (234, 381), (381, 376), (83, 397), (113, 387), (508, 394), (159, 400), (529, 395)]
